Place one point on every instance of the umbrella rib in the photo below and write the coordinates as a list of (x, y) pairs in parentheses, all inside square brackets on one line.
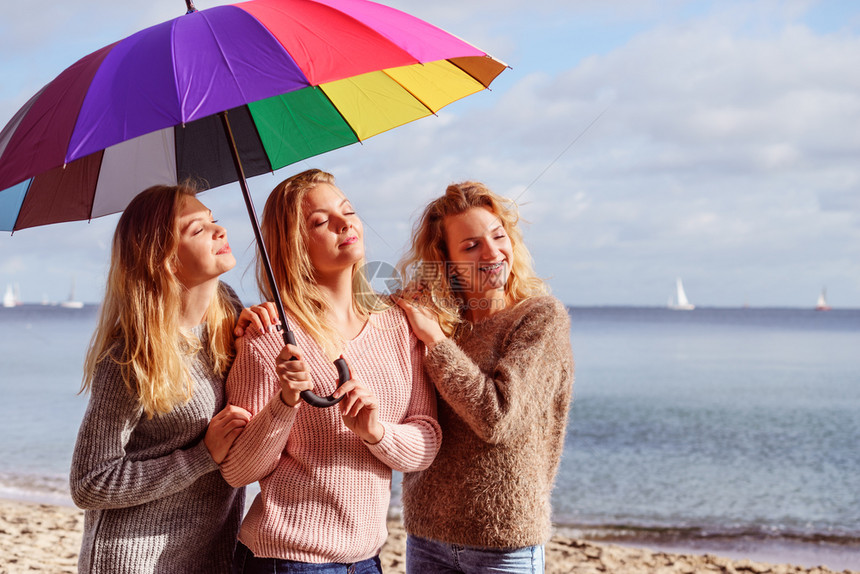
[(411, 93), (486, 85), (259, 137), (334, 107), (96, 187), (227, 64), (23, 199)]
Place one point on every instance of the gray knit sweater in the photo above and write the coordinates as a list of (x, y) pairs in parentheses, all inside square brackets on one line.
[(505, 389), (155, 500)]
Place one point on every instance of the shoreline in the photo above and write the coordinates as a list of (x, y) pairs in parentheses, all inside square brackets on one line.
[(47, 537)]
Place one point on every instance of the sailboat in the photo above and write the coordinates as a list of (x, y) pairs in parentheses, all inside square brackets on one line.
[(71, 303), (680, 301), (10, 298), (822, 301)]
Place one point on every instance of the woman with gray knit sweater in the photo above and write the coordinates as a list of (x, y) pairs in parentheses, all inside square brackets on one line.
[(498, 352), (145, 466)]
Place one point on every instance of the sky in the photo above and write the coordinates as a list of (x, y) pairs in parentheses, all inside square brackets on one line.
[(645, 140)]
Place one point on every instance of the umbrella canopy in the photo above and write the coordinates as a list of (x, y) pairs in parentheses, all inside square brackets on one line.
[(221, 94), (298, 78)]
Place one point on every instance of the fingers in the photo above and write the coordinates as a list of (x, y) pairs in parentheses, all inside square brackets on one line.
[(223, 429), (357, 396), (288, 353), (293, 374), (233, 435), (233, 427), (290, 366), (273, 312), (236, 411), (260, 316), (230, 418), (266, 314)]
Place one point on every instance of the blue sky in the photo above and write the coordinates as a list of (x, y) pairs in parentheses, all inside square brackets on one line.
[(715, 141)]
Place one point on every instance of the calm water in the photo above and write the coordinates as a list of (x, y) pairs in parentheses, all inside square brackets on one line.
[(732, 431)]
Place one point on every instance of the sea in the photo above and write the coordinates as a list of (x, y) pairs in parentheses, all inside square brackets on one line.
[(733, 432)]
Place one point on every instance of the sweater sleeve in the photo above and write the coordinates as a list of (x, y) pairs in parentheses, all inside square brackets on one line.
[(253, 385), (534, 366), (102, 475), (412, 444)]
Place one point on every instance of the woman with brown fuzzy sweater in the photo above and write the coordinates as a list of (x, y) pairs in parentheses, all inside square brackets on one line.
[(499, 355)]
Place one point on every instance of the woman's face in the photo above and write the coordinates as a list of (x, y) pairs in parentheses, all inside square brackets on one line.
[(480, 250), (335, 238), (203, 253)]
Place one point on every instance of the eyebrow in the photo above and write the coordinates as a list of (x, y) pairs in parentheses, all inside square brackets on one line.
[(491, 230), (196, 219), (321, 210)]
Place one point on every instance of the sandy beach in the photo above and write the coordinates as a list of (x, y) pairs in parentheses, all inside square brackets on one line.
[(44, 538)]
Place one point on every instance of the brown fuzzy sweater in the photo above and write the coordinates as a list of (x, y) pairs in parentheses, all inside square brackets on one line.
[(505, 390)]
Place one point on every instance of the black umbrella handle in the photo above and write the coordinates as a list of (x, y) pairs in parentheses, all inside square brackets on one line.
[(309, 396), (289, 339)]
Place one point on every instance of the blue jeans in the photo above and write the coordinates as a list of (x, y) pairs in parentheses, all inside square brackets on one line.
[(425, 556), (244, 562)]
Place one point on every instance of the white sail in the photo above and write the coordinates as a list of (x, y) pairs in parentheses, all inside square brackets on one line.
[(71, 303), (822, 305), (680, 302), (9, 298)]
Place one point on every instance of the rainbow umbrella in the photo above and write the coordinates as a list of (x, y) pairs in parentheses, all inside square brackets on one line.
[(222, 94)]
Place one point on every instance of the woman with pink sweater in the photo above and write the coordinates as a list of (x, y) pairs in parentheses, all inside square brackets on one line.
[(324, 473)]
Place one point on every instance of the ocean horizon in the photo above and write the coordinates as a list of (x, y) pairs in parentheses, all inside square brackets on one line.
[(728, 430)]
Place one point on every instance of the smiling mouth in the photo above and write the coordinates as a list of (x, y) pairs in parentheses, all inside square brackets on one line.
[(224, 250), (492, 268), (349, 241)]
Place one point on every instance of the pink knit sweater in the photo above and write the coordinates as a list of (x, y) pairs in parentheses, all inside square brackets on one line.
[(324, 492)]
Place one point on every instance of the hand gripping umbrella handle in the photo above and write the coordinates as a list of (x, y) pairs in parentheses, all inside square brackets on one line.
[(342, 370), (342, 376)]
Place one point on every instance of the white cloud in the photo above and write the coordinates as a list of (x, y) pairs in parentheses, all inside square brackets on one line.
[(726, 152)]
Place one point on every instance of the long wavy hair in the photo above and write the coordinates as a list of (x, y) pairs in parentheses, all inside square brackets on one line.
[(427, 261), (285, 235), (138, 326)]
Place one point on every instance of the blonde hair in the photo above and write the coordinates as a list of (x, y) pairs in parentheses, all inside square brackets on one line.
[(138, 326), (285, 234), (427, 260)]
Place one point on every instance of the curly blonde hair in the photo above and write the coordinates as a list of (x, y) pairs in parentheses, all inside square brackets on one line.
[(426, 262), (138, 326)]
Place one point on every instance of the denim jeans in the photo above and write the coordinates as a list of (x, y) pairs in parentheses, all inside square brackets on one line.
[(424, 556), (244, 562)]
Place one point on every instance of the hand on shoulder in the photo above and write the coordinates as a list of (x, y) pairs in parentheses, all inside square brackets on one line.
[(263, 316)]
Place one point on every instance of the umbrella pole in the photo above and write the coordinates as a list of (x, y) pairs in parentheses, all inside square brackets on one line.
[(289, 338)]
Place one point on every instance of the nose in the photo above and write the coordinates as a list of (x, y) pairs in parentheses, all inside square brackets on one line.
[(342, 224), (220, 231), (490, 251)]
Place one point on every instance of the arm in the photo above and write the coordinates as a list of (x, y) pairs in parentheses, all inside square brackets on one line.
[(534, 367), (253, 385), (412, 444), (102, 475)]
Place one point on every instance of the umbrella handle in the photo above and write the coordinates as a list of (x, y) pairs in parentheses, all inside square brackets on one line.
[(342, 376), (342, 370)]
